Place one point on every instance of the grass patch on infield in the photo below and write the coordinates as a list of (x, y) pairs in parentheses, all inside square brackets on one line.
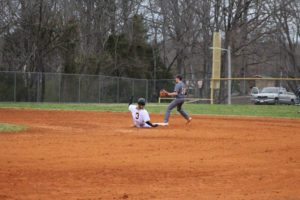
[(11, 127), (206, 109)]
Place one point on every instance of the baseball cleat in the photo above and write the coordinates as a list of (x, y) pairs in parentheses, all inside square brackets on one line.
[(189, 120)]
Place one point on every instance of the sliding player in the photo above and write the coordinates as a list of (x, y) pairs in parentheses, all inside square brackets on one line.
[(140, 115)]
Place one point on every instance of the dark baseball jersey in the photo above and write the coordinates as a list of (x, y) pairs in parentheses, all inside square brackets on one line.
[(180, 89)]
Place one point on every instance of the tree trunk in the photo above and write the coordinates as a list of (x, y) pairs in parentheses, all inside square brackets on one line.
[(179, 67)]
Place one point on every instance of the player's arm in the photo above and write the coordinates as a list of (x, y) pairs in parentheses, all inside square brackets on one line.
[(150, 124), (130, 100), (146, 118), (130, 106), (173, 94)]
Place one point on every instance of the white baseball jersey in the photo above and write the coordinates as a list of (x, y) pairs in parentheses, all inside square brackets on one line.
[(140, 117)]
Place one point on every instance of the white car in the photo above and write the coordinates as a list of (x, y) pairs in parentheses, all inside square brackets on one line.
[(272, 95)]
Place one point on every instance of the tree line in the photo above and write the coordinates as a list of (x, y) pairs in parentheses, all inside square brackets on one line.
[(149, 38)]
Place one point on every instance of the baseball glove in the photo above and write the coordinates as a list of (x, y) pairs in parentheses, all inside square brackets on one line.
[(163, 93)]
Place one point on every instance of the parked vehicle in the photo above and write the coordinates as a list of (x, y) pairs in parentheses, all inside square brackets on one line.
[(272, 95)]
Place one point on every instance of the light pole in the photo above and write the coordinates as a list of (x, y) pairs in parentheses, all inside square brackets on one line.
[(229, 72)]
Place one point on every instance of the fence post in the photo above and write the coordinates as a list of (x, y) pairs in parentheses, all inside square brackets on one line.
[(99, 88), (147, 85), (132, 89), (15, 86), (212, 92), (118, 89), (59, 87), (79, 83), (38, 87)]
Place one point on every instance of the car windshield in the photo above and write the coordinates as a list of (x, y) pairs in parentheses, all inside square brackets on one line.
[(270, 90)]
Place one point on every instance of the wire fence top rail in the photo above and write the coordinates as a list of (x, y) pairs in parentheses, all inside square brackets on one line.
[(122, 77), (75, 74)]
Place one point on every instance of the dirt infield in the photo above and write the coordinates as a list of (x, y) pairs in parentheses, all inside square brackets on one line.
[(97, 155)]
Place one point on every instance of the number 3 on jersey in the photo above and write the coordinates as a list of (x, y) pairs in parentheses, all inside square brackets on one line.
[(137, 115)]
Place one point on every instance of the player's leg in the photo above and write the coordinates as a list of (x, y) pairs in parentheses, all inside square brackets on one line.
[(146, 126), (181, 111), (172, 105)]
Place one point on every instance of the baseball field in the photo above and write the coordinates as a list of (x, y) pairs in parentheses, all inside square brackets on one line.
[(92, 152)]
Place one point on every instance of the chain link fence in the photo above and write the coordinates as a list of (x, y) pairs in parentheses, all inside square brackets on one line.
[(76, 88)]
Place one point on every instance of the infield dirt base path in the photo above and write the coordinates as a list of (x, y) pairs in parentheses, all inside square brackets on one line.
[(97, 155)]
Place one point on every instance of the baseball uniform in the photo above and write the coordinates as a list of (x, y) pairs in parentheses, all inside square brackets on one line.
[(181, 92), (140, 117)]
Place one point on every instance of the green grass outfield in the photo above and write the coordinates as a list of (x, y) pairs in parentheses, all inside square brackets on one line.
[(284, 111), (11, 128)]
